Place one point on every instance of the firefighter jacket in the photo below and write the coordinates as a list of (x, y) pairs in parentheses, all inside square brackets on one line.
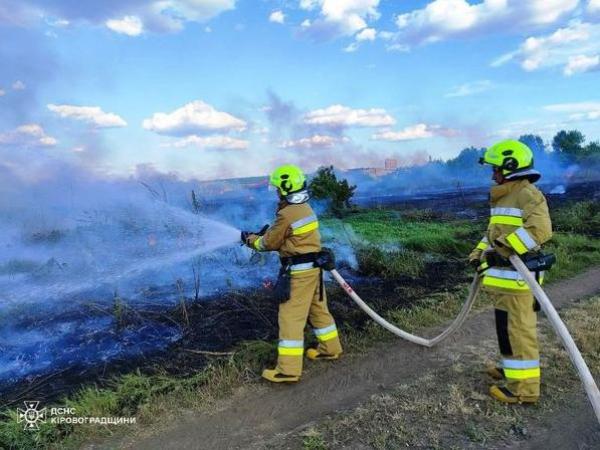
[(519, 223), (295, 231)]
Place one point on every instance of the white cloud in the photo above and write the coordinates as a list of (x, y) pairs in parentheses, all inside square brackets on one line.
[(194, 117), (337, 116), (28, 135), (418, 131), (57, 23), (367, 34), (316, 141), (212, 142), (575, 48), (445, 19), (340, 17), (473, 88), (129, 25), (277, 17), (2, 92), (19, 86), (309, 5), (92, 115), (582, 63), (593, 6), (352, 47), (124, 16), (577, 111)]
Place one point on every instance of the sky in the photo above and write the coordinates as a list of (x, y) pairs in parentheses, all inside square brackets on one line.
[(213, 89)]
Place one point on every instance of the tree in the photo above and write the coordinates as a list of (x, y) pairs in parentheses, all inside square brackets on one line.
[(467, 159), (569, 143), (592, 149), (326, 186), (537, 146), (535, 143)]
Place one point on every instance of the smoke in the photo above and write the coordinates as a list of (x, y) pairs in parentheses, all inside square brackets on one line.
[(72, 240)]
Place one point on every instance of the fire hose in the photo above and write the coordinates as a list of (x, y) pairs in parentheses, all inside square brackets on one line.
[(559, 327), (455, 325), (326, 261)]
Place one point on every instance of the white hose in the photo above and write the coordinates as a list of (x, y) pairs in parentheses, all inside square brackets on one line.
[(460, 319), (589, 384), (591, 389)]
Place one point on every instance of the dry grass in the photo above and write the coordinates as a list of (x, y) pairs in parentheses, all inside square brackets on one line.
[(450, 409)]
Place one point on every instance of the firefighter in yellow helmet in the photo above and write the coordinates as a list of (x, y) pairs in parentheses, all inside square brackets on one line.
[(295, 235), (519, 224)]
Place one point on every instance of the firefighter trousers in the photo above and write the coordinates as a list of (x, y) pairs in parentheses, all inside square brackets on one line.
[(305, 303), (516, 328)]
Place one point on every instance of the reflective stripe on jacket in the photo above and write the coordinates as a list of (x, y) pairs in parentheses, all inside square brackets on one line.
[(519, 223), (294, 232)]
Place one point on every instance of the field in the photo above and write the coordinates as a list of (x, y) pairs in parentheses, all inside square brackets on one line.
[(411, 268)]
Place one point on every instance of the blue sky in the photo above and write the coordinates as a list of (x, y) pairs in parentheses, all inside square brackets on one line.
[(221, 88)]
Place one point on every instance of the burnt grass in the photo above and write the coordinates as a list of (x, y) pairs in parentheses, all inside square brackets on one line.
[(222, 323)]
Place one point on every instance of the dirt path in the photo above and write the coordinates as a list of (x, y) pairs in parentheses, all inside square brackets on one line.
[(573, 428), (254, 416)]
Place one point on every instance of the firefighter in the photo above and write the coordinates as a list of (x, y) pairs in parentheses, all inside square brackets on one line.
[(295, 235), (519, 224)]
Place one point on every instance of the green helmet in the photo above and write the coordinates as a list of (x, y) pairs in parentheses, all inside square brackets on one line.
[(288, 179), (513, 157)]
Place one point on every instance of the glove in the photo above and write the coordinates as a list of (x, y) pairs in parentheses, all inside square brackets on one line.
[(475, 263), (250, 238), (244, 237), (494, 259), (502, 249)]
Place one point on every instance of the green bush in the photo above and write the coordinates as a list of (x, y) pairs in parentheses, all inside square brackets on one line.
[(326, 186), (581, 218)]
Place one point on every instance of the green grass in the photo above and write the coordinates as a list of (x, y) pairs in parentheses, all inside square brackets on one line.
[(422, 233), (149, 398), (574, 254), (374, 261), (581, 218)]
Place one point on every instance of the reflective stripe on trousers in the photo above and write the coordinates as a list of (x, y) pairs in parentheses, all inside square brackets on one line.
[(326, 333), (289, 347), (516, 369)]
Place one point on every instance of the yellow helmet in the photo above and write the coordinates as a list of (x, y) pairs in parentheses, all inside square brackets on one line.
[(513, 157), (288, 179)]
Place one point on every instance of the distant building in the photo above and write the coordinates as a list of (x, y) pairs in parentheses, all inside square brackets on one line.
[(391, 164)]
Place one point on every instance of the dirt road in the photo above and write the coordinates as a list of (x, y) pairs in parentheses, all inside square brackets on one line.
[(257, 414)]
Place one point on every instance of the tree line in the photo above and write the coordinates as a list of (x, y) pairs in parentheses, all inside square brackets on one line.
[(566, 148)]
